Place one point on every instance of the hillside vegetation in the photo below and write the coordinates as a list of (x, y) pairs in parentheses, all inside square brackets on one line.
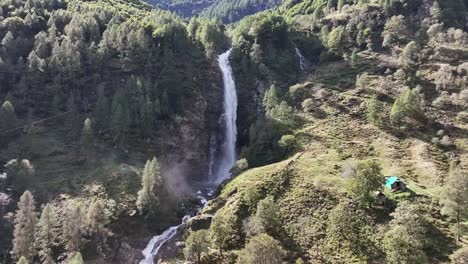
[(384, 93), (227, 11), (89, 91), (108, 109)]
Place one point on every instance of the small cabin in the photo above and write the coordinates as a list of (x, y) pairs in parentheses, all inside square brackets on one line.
[(380, 199), (395, 184)]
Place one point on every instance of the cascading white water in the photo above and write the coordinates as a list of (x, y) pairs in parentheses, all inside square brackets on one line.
[(227, 157), (302, 60), (155, 244)]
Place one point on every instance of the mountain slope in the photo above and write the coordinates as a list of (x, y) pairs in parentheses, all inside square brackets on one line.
[(226, 11), (306, 133)]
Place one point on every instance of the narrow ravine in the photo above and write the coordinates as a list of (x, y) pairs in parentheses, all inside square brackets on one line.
[(225, 160)]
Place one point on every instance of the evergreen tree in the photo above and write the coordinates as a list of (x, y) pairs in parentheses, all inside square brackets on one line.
[(284, 114), (96, 222), (196, 244), (409, 57), (20, 172), (455, 197), (404, 240), (337, 40), (151, 181), (271, 99), (395, 31), (25, 222), (87, 134), (375, 112), (267, 216), (261, 249), (46, 233), (7, 116), (368, 179), (408, 104), (73, 227), (220, 232), (436, 11), (121, 120)]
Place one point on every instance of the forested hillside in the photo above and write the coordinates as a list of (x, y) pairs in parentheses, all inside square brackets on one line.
[(89, 91), (352, 131), (228, 11), (334, 98)]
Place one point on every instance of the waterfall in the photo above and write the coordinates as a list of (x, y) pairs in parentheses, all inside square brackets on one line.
[(219, 166), (155, 244), (227, 157), (302, 60)]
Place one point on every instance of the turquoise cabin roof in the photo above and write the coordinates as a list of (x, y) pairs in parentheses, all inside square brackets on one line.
[(391, 180)]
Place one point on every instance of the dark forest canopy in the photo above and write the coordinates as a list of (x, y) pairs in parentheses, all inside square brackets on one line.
[(228, 11), (59, 56)]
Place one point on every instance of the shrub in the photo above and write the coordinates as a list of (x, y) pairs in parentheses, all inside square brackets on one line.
[(261, 249), (308, 105)]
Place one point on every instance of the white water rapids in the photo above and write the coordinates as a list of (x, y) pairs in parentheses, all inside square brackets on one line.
[(155, 244), (226, 159)]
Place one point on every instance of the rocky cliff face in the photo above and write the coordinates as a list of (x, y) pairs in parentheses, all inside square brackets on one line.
[(185, 143)]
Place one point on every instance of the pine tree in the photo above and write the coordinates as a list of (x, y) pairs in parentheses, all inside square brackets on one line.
[(267, 216), (409, 57), (197, 243), (368, 178), (7, 116), (87, 134), (375, 111), (436, 11), (96, 222), (408, 104), (271, 99), (337, 40), (73, 227), (455, 197), (151, 181), (395, 31), (220, 232), (25, 222), (46, 233), (284, 114)]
